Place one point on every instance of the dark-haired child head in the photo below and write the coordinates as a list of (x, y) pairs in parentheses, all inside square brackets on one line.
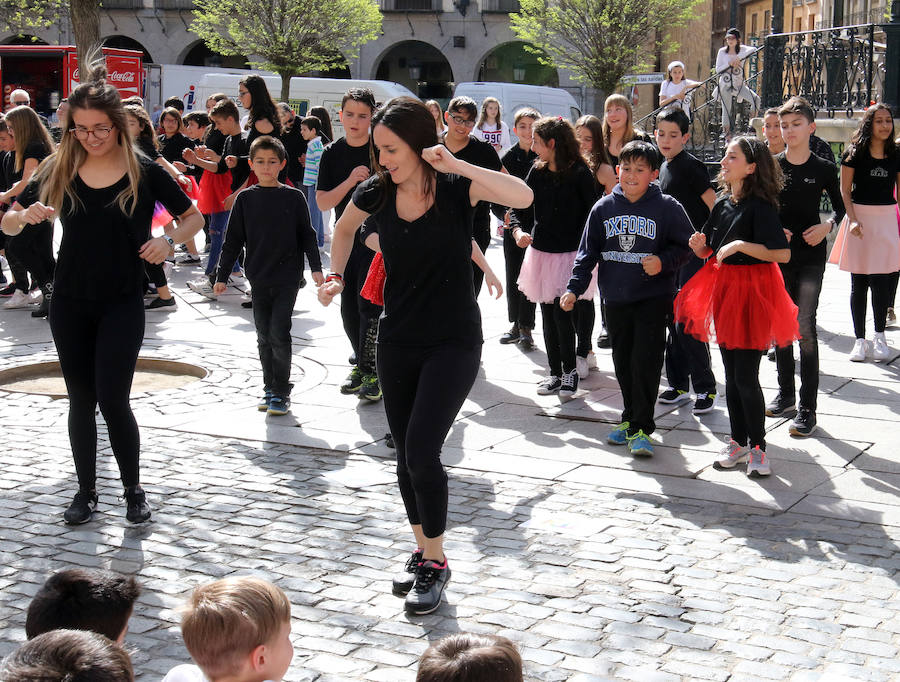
[(267, 159), (638, 167), (68, 656), (672, 126)]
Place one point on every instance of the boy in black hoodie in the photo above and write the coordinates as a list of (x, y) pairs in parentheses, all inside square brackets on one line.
[(638, 238)]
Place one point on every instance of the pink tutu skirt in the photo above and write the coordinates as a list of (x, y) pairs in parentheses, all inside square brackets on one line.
[(877, 251), (544, 276)]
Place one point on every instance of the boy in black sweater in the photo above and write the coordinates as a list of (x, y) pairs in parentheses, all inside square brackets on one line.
[(638, 238), (685, 178), (272, 220), (806, 175)]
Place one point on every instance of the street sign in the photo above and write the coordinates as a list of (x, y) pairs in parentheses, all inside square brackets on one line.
[(643, 78)]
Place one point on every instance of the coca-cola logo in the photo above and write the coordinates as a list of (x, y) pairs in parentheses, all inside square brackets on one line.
[(113, 77)]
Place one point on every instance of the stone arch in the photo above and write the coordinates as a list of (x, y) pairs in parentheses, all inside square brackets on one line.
[(128, 43), (198, 54), (23, 39), (418, 65), (510, 62)]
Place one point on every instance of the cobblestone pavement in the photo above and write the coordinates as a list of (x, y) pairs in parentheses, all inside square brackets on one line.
[(598, 566)]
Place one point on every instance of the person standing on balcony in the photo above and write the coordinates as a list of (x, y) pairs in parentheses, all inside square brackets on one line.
[(675, 90), (732, 86)]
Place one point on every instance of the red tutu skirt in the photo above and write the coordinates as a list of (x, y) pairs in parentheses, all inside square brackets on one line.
[(214, 188), (747, 304), (373, 288)]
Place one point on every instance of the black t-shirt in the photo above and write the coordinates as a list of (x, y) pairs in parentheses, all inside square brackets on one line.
[(147, 147), (799, 204), (752, 220), (638, 135), (686, 179), (480, 153), (236, 145), (337, 161), (98, 255), (215, 140), (295, 146), (562, 202), (429, 298), (874, 180), (7, 159), (273, 223), (171, 147), (35, 149), (517, 161)]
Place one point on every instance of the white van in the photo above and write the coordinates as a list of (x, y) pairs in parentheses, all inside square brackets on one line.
[(515, 96), (306, 93)]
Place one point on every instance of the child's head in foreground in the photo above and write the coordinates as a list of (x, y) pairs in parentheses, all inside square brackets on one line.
[(68, 656), (83, 599), (239, 627), (471, 658)]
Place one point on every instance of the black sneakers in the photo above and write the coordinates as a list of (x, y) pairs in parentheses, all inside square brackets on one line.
[(526, 340), (511, 336), (352, 382), (82, 507), (781, 406), (159, 303), (804, 423), (369, 389), (425, 595), (137, 510), (403, 582)]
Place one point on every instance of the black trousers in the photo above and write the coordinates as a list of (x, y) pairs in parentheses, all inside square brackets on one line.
[(881, 286), (272, 311), (803, 284), (98, 344), (32, 250), (559, 337), (359, 315), (424, 388), (637, 333), (482, 237), (519, 309), (688, 362), (746, 409), (585, 314)]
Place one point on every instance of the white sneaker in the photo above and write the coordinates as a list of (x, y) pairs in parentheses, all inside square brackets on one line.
[(880, 350), (592, 360), (731, 455), (204, 288), (582, 367), (758, 464), (858, 354), (35, 296), (167, 267), (19, 299)]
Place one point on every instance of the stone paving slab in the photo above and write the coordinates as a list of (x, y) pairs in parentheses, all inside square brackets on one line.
[(598, 565)]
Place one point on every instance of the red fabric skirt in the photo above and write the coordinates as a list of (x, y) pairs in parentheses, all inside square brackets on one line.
[(214, 187), (373, 288), (746, 304)]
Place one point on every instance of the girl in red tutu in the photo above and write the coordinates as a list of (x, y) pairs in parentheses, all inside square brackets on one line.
[(867, 244), (741, 292)]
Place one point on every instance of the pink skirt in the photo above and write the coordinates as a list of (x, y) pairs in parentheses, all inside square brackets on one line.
[(544, 276), (877, 251)]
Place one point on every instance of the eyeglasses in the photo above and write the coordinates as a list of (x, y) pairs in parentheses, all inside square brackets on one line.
[(99, 132), (241, 93), (459, 120), (21, 103)]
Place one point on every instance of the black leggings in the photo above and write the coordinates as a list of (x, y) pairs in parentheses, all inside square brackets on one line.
[(559, 337), (424, 388), (98, 344), (746, 408), (32, 250), (882, 287), (585, 315), (156, 274)]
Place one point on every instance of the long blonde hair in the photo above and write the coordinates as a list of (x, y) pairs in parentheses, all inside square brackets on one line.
[(622, 101), (26, 129), (57, 174), (482, 119)]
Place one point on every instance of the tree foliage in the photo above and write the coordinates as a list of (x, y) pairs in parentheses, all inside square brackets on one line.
[(599, 41), (288, 37), (28, 16)]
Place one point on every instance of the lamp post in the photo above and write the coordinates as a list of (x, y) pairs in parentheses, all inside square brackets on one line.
[(773, 89)]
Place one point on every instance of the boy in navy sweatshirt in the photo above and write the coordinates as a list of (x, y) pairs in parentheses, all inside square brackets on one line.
[(272, 220), (638, 238)]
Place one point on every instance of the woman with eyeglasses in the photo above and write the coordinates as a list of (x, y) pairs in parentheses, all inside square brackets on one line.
[(104, 195), (33, 248), (263, 118), (741, 292)]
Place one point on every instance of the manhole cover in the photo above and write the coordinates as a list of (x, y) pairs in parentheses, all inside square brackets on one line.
[(45, 378)]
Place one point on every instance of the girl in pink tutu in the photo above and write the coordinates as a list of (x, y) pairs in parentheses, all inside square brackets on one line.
[(551, 228), (741, 292), (867, 244)]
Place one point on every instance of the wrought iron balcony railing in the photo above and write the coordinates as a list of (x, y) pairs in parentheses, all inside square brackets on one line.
[(411, 5), (499, 6)]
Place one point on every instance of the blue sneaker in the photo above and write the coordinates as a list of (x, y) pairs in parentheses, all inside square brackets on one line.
[(279, 405), (640, 445), (619, 435), (263, 403)]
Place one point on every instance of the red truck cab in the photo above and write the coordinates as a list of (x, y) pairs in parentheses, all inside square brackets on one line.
[(50, 72)]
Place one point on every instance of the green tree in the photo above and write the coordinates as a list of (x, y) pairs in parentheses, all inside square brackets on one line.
[(599, 41), (28, 16), (288, 37)]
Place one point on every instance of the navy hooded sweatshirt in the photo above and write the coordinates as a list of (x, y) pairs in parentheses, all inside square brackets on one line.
[(619, 234)]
